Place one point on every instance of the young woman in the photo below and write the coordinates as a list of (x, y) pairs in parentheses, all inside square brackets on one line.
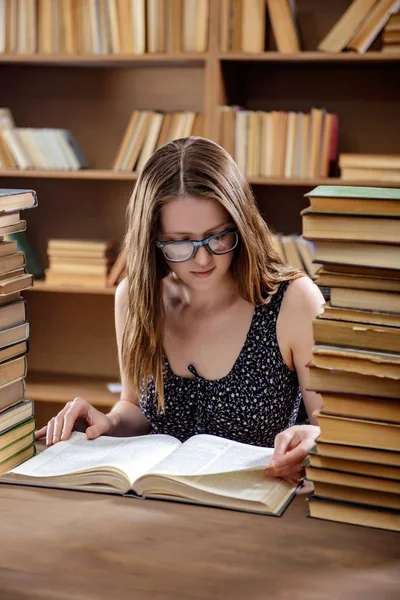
[(214, 331)]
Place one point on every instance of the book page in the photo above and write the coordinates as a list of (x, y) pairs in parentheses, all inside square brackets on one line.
[(134, 456), (207, 454), (244, 485)]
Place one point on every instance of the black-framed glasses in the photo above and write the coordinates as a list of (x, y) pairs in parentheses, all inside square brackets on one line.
[(184, 250)]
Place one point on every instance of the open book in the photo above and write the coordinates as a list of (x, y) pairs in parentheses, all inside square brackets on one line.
[(205, 470)]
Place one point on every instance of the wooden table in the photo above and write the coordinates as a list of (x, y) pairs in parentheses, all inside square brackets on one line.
[(71, 545)]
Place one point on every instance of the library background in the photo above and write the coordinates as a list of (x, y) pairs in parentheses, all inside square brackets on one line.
[(302, 94)]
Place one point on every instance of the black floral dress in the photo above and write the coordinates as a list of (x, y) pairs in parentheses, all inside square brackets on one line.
[(256, 400)]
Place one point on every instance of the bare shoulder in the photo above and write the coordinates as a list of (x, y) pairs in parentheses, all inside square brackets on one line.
[(302, 296), (121, 294)]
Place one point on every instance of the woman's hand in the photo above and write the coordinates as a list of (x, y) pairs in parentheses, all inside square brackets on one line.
[(77, 415), (291, 448)]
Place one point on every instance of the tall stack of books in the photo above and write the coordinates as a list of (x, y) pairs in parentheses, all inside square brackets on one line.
[(17, 438), (355, 465), (81, 263), (377, 167)]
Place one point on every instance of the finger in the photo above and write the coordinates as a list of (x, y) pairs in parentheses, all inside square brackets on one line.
[(41, 433), (294, 456), (94, 431), (59, 423), (282, 443), (76, 410), (49, 433)]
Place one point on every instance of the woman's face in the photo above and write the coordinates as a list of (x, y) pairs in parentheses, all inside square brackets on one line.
[(189, 218)]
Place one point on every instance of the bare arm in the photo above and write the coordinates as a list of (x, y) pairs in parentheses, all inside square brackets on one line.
[(309, 301), (126, 416), (302, 304)]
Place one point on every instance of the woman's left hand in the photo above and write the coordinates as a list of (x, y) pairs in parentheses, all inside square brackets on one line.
[(291, 448)]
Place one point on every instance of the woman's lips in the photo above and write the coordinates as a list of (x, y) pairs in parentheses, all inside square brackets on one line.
[(203, 274)]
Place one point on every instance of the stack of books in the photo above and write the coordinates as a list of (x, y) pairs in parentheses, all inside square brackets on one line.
[(359, 25), (38, 148), (391, 35), (280, 144), (377, 167), (79, 263), (17, 439), (103, 26), (355, 465), (148, 130)]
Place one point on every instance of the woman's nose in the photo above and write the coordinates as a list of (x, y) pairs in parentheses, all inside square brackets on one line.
[(202, 257)]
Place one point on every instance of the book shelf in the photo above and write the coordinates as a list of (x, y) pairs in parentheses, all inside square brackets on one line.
[(72, 330)]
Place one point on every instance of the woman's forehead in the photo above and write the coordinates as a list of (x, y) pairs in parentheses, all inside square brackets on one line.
[(188, 215)]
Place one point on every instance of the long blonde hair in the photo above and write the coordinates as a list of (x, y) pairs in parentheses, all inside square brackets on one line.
[(199, 168)]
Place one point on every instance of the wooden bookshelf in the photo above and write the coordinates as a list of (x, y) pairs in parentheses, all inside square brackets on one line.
[(96, 174), (61, 388), (42, 286), (73, 350), (105, 60), (51, 392)]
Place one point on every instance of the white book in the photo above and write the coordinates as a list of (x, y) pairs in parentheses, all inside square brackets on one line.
[(94, 24), (205, 470), (54, 156), (35, 133), (138, 26), (297, 166), (67, 152), (189, 25), (151, 140), (30, 146), (16, 148), (22, 27), (290, 144), (3, 27)]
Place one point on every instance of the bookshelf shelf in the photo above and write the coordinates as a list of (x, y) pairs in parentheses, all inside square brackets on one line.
[(105, 60), (108, 175), (310, 57), (42, 286), (315, 182), (53, 388), (86, 174), (134, 60)]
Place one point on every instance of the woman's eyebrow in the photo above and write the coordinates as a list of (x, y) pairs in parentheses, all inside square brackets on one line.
[(187, 233)]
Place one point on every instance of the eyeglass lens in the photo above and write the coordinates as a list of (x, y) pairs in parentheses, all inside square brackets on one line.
[(184, 250)]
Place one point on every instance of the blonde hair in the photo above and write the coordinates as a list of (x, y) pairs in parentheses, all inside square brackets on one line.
[(199, 168)]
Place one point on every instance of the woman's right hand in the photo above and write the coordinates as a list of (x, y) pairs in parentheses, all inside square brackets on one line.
[(77, 415)]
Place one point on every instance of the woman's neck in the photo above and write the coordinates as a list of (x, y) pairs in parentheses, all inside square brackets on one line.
[(212, 300)]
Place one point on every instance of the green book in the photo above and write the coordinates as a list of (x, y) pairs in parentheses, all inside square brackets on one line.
[(354, 200), (33, 264), (354, 191)]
